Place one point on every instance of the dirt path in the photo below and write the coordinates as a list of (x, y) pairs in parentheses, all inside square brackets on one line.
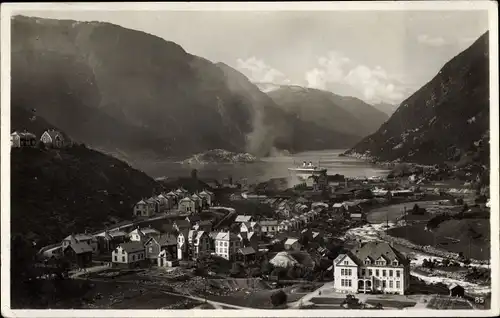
[(307, 298)]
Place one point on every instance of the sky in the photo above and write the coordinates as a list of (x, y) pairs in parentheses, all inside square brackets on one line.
[(377, 56)]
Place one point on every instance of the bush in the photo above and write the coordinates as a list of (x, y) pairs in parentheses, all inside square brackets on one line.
[(278, 298)]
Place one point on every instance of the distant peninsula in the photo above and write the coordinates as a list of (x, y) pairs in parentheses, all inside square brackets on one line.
[(215, 156)]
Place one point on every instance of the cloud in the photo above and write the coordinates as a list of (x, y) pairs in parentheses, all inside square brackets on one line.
[(431, 41), (259, 72), (336, 71)]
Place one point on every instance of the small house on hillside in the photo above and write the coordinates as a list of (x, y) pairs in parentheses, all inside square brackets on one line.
[(207, 196), (79, 254), (108, 241), (155, 245), (130, 254), (203, 225), (456, 290), (144, 208), (52, 138), (292, 244), (243, 218), (246, 254), (22, 139), (81, 238), (187, 205), (269, 226)]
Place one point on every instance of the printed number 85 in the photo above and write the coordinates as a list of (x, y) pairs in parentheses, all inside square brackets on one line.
[(479, 300)]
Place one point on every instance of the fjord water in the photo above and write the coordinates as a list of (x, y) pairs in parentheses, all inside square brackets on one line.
[(270, 167)]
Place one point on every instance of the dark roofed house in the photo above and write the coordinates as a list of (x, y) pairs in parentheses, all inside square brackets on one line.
[(456, 290), (247, 253), (181, 225), (370, 267), (52, 138), (194, 218), (204, 225), (79, 254), (130, 254)]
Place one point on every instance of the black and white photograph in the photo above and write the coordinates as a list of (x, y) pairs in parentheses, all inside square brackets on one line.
[(250, 159)]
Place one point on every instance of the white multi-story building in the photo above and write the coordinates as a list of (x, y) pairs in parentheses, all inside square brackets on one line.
[(227, 245), (373, 266)]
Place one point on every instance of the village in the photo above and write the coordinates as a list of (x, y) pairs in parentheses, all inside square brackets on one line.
[(323, 243)]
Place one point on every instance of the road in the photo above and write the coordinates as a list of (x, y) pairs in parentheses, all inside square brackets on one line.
[(307, 298)]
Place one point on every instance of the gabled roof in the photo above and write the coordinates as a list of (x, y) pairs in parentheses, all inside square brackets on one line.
[(136, 231), (246, 250), (291, 241), (80, 248), (226, 236), (53, 133), (141, 202), (243, 218), (182, 223), (149, 231), (131, 247), (186, 199), (268, 223), (375, 250), (171, 194), (199, 234)]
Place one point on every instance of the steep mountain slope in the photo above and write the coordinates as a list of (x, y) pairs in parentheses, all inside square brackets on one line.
[(387, 108), (113, 87), (274, 126), (56, 192), (345, 114), (446, 120)]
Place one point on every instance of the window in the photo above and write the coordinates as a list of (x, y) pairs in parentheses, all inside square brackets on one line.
[(150, 249), (116, 258), (398, 284), (398, 274), (342, 272), (350, 282), (350, 272), (123, 252), (395, 263), (370, 272), (383, 272), (390, 284), (383, 284), (363, 272), (346, 262), (367, 262), (133, 257), (376, 272), (390, 272), (379, 262), (123, 259), (342, 282)]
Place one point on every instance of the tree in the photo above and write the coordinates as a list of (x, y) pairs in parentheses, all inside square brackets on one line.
[(41, 145), (292, 273), (278, 298), (236, 269), (266, 267), (194, 174), (351, 302), (446, 262), (465, 207)]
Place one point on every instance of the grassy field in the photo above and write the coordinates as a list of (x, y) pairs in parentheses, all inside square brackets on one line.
[(443, 302)]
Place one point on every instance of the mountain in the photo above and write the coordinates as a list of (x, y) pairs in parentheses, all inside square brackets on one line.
[(348, 115), (135, 95), (274, 127), (445, 120), (56, 192), (387, 108)]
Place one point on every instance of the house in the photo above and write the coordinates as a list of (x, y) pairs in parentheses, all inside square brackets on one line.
[(269, 227), (243, 219), (108, 241), (456, 290), (143, 235), (249, 239), (187, 205), (198, 202), (79, 254), (310, 181), (246, 253), (172, 196), (130, 254), (155, 245), (181, 193), (284, 226), (370, 267), (155, 203), (250, 227), (227, 245), (166, 202), (143, 208), (292, 244), (52, 138), (203, 225), (81, 238), (357, 216), (166, 259), (199, 243), (182, 245), (22, 139), (181, 225), (207, 196)]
